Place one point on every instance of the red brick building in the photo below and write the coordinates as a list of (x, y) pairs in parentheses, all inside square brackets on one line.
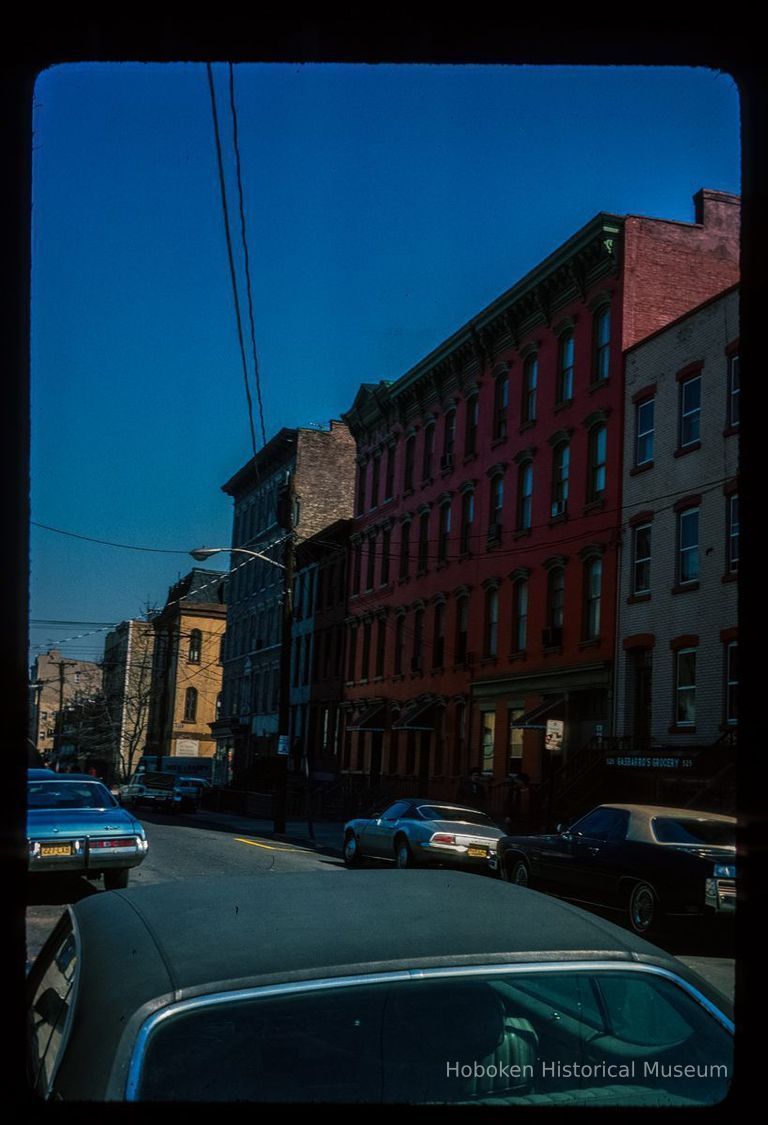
[(483, 565)]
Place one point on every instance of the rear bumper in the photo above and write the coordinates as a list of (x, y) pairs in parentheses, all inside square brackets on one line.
[(81, 858), (720, 896), (454, 854)]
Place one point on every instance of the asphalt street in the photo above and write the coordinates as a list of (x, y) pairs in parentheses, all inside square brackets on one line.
[(204, 844)]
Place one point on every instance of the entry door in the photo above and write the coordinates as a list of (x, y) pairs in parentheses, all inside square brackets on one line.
[(642, 669)]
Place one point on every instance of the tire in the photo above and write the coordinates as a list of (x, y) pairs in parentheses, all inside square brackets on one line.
[(403, 854), (643, 908), (517, 872), (116, 880), (352, 856)]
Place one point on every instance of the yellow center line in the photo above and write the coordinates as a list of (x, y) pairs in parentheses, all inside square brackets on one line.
[(269, 847)]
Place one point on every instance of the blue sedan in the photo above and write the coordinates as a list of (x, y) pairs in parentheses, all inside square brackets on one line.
[(76, 825)]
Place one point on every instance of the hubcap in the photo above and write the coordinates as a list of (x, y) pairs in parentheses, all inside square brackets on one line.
[(642, 908), (350, 847), (402, 856), (521, 875)]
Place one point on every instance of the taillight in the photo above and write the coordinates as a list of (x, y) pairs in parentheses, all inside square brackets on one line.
[(113, 842), (443, 838)]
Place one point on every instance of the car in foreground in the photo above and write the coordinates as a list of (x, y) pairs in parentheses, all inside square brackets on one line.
[(76, 825), (648, 861), (417, 831), (417, 987)]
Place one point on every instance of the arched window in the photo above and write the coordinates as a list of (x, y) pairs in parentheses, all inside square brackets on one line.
[(530, 381), (553, 634), (428, 452), (190, 705), (405, 548), (443, 530), (602, 343), (418, 640), (491, 622), (500, 404), (496, 509), (399, 642), (438, 636), (520, 615), (449, 437), (195, 645), (470, 429), (593, 578), (525, 496), (561, 460), (410, 452), (462, 628), (423, 542), (596, 473), (467, 521), (565, 368)]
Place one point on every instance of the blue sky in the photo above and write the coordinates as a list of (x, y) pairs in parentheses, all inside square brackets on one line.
[(385, 205)]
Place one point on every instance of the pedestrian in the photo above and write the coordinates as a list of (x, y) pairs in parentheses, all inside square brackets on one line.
[(472, 789)]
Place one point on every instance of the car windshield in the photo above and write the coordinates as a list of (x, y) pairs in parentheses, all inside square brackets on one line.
[(69, 795), (510, 1038), (448, 812), (692, 830)]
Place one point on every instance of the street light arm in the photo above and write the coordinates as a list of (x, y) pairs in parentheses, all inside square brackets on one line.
[(203, 553)]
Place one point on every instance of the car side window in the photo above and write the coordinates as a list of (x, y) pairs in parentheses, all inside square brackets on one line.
[(49, 1012), (394, 812), (603, 824)]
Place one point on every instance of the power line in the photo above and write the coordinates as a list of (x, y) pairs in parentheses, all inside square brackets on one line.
[(248, 286), (225, 209), (107, 542)]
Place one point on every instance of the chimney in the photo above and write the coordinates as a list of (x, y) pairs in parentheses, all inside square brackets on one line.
[(716, 209)]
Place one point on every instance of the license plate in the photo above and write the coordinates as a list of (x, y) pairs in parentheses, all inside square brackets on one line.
[(479, 853), (55, 849)]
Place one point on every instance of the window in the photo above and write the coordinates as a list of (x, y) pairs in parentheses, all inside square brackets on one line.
[(496, 507), (644, 428), (491, 622), (733, 390), (381, 643), (530, 380), (195, 645), (487, 739), (375, 478), (688, 545), (467, 520), (386, 539), (597, 463), (733, 534), (500, 404), (641, 559), (555, 600), (462, 627), (443, 530), (438, 639), (410, 453), (307, 657), (405, 548), (352, 653), (514, 741), (602, 337), (593, 575), (525, 496), (520, 615), (366, 657), (690, 411), (685, 687), (399, 643), (449, 434), (731, 682), (370, 569), (470, 433), (190, 705), (362, 477), (418, 640), (356, 567), (565, 369), (423, 557), (389, 476), (561, 462), (428, 453)]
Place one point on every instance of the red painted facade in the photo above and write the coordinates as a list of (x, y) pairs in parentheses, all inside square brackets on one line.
[(439, 660)]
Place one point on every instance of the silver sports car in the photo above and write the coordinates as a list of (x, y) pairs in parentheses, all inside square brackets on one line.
[(417, 830), (76, 825)]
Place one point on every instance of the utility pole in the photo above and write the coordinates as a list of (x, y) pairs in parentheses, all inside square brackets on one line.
[(62, 664), (280, 794)]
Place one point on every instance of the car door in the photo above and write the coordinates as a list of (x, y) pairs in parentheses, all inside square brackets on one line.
[(598, 842), (377, 838)]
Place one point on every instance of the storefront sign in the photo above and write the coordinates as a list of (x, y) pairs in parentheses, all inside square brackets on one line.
[(553, 739)]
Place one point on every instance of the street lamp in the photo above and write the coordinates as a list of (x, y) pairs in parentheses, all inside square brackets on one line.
[(203, 553)]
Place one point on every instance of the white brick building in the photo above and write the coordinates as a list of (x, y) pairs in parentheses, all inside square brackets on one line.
[(677, 637)]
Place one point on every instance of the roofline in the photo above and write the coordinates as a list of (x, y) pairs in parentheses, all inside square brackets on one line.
[(276, 445)]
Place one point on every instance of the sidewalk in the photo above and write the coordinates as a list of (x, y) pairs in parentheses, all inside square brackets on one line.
[(327, 834)]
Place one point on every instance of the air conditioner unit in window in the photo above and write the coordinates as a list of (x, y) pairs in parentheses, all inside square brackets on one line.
[(559, 507), (494, 532), (552, 637), (446, 461)]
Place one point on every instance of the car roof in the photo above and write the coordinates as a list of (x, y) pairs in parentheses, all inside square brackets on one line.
[(665, 810), (40, 774), (168, 941)]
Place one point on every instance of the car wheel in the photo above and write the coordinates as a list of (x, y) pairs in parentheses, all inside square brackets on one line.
[(116, 880), (352, 856), (403, 854), (517, 872), (643, 908)]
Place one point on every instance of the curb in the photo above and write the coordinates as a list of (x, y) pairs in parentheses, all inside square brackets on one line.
[(269, 834)]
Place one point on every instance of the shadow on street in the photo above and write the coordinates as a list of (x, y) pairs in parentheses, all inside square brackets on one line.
[(60, 890)]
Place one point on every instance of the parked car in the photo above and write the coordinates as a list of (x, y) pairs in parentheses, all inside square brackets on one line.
[(77, 825), (158, 790), (192, 789), (416, 987), (648, 861), (419, 831)]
